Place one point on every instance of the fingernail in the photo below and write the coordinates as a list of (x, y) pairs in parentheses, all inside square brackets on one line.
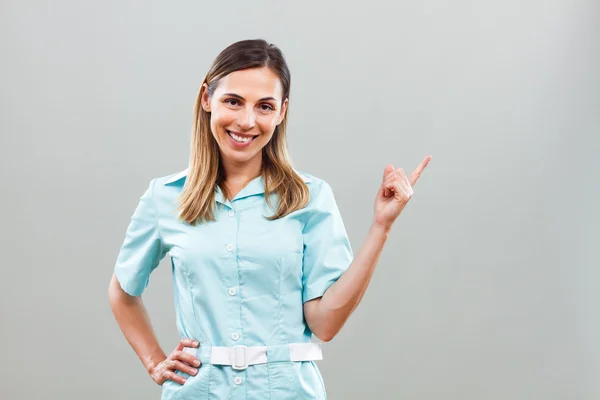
[(194, 371), (197, 362), (195, 343)]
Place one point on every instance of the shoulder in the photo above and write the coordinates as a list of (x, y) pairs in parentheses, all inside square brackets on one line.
[(321, 192), (165, 188), (168, 184), (174, 178), (174, 182), (313, 182)]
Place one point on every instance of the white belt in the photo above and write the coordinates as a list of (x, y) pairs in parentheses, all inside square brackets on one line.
[(240, 357)]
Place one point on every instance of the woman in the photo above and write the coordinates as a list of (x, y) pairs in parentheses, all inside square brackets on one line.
[(260, 256)]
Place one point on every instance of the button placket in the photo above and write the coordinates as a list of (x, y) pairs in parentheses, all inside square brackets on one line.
[(234, 302)]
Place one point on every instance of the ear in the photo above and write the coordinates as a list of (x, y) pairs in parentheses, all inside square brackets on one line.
[(283, 111), (205, 99)]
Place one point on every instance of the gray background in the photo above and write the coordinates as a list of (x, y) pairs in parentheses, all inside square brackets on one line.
[(488, 287)]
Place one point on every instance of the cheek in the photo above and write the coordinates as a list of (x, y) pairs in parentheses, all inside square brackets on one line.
[(267, 123), (221, 118)]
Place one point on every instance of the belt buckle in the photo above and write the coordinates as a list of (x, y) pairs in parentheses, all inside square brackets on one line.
[(240, 362)]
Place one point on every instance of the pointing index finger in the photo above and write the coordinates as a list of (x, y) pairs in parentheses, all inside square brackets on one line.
[(414, 177)]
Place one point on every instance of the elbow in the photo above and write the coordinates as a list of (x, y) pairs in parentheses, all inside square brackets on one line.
[(326, 335), (324, 326), (326, 338)]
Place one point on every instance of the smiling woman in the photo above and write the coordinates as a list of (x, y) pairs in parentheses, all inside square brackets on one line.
[(260, 255), (241, 118), (246, 107), (239, 132)]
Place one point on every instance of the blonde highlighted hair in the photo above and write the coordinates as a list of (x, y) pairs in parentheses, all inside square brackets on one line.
[(205, 172)]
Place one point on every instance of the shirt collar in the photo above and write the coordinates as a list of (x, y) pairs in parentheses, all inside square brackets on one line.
[(255, 186)]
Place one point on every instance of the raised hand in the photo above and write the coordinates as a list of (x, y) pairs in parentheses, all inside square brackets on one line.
[(394, 193)]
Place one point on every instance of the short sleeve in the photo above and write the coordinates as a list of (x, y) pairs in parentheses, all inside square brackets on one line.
[(142, 248), (327, 249)]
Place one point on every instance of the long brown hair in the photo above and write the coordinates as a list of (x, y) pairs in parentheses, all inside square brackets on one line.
[(205, 173)]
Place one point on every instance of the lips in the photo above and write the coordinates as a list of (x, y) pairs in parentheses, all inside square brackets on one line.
[(244, 135), (241, 143)]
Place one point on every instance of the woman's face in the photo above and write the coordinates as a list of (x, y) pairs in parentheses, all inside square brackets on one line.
[(245, 109)]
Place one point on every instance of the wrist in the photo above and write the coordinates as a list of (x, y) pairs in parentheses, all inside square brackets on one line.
[(376, 227), (153, 362)]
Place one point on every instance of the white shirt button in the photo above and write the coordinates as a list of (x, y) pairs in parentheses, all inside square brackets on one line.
[(232, 291), (229, 247), (235, 336), (237, 380), (231, 213)]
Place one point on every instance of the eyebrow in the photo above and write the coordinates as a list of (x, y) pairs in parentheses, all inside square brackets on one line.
[(241, 98)]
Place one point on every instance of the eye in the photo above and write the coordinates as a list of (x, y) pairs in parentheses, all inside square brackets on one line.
[(266, 107), (231, 101)]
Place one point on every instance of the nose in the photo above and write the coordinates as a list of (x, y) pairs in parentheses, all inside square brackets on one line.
[(246, 119)]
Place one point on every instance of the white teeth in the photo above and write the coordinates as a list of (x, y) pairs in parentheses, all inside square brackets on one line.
[(239, 138)]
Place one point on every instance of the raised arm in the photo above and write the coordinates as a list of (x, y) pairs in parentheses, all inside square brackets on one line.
[(327, 315)]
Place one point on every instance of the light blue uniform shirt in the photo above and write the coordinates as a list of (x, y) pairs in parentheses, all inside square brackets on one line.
[(240, 280)]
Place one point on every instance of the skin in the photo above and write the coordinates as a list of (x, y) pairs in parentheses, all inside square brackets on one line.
[(249, 114), (327, 315)]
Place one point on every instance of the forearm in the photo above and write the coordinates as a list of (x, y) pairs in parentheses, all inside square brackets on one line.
[(342, 298), (134, 321)]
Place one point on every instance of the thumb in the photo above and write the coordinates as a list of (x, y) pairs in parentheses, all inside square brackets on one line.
[(388, 168)]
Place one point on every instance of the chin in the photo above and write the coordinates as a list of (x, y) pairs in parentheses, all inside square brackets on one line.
[(238, 155)]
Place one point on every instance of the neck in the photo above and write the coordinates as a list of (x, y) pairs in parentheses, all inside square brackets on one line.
[(244, 172)]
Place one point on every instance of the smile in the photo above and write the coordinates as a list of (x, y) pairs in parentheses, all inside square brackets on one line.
[(240, 138)]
